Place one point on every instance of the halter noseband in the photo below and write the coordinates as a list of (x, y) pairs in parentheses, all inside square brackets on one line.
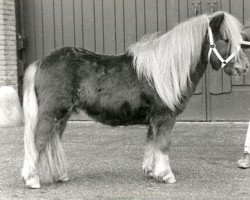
[(245, 43), (213, 48)]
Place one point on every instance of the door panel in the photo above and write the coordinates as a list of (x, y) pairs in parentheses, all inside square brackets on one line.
[(233, 106), (230, 96)]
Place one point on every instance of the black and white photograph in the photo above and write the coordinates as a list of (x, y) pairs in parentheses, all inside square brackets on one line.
[(124, 99)]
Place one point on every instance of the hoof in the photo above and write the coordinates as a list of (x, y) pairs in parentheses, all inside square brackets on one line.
[(33, 183), (63, 178), (244, 162), (166, 177), (147, 171), (169, 178)]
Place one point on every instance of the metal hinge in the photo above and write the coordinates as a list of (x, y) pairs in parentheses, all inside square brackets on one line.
[(20, 48), (213, 5), (20, 42), (197, 6)]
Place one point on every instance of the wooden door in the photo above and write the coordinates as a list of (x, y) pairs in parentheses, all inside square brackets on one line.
[(111, 26)]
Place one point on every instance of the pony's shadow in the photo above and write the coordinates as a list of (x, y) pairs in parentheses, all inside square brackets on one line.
[(115, 177), (107, 176)]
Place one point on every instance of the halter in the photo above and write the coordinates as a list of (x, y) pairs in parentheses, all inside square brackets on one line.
[(213, 48), (245, 43)]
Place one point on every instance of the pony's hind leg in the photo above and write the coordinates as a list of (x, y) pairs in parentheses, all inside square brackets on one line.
[(52, 159), (60, 127), (156, 159)]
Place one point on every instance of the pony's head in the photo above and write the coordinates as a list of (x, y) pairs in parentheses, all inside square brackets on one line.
[(167, 61), (225, 40)]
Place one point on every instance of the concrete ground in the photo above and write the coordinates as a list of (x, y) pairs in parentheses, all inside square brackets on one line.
[(105, 163)]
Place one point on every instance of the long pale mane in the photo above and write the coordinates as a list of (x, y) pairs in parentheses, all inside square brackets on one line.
[(166, 61)]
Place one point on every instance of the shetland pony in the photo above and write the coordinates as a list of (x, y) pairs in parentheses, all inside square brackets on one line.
[(149, 84)]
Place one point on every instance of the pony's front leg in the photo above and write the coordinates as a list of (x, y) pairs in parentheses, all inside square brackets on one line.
[(156, 159)]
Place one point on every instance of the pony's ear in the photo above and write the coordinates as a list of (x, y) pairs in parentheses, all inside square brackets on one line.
[(216, 21)]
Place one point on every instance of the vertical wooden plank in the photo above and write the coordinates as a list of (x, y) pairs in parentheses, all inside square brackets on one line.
[(140, 19), (48, 26), (38, 28), (58, 23), (98, 11), (129, 22), (151, 16), (216, 81), (29, 18), (68, 23), (172, 14), (237, 8), (237, 11), (225, 5), (162, 19), (109, 27), (120, 38), (227, 85), (247, 20), (78, 23), (88, 25), (183, 10)]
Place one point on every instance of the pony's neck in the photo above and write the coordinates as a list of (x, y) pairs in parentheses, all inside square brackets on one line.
[(201, 66), (195, 76)]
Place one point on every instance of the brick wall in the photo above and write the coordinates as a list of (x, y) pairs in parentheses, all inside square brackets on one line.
[(8, 59)]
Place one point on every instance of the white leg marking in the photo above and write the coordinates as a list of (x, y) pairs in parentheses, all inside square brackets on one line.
[(148, 161), (52, 161), (247, 141), (156, 164), (64, 177), (162, 170), (33, 182)]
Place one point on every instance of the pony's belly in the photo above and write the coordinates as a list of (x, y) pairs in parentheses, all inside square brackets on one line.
[(123, 115), (115, 121)]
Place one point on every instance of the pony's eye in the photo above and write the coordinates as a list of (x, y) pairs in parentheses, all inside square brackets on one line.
[(225, 40)]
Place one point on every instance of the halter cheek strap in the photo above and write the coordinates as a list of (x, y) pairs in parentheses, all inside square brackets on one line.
[(212, 48)]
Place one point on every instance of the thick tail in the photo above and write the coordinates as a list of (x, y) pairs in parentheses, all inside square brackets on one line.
[(30, 109), (47, 162)]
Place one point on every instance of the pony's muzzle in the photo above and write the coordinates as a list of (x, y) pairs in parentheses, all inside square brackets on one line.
[(241, 70)]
